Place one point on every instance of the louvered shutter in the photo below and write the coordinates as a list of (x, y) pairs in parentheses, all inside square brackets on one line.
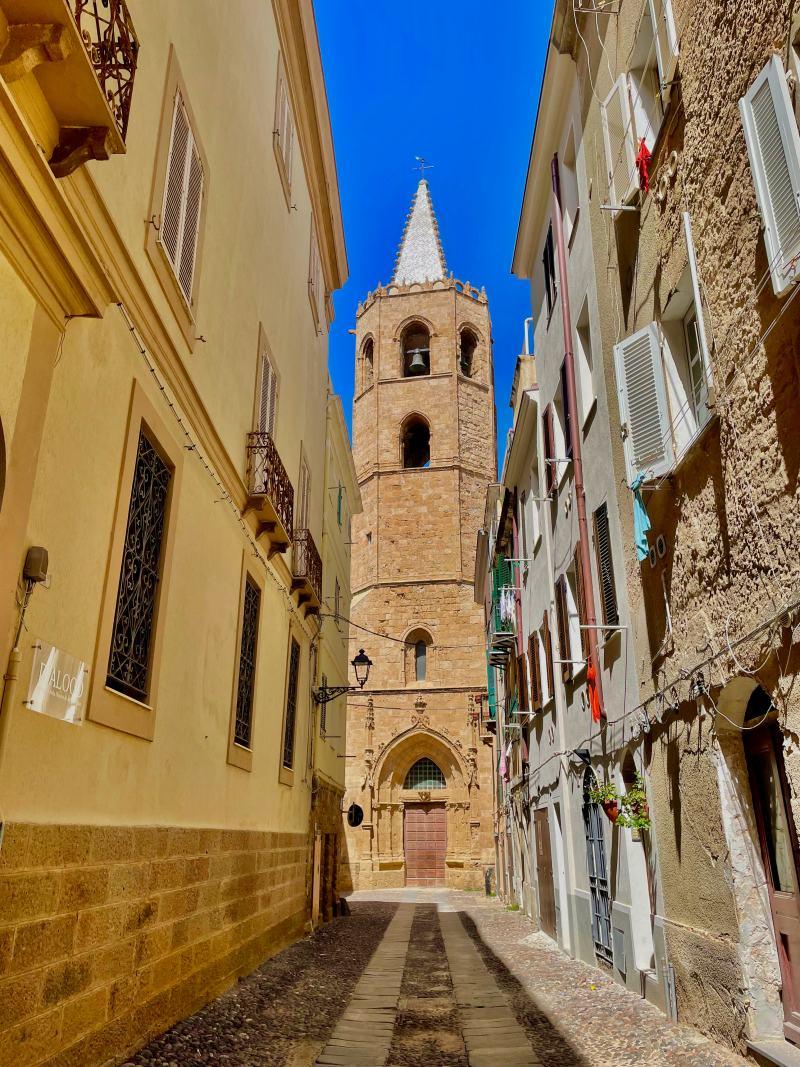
[(605, 566), (547, 641), (619, 143), (567, 411), (536, 672), (551, 478), (522, 682), (172, 209), (491, 689), (562, 616), (580, 603), (773, 145), (643, 403), (267, 397), (666, 38), (183, 201)]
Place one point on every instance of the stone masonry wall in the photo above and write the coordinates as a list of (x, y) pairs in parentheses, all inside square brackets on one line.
[(109, 934)]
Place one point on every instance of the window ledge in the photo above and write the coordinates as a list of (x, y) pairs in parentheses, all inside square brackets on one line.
[(286, 775)]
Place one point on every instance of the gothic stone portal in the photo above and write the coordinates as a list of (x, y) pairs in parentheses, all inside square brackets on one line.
[(423, 835)]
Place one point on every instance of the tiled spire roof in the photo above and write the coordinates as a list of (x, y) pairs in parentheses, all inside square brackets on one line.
[(420, 257)]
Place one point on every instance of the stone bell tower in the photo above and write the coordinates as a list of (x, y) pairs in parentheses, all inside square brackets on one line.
[(424, 448)]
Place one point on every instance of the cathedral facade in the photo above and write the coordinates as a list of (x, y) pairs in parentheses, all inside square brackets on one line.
[(424, 449)]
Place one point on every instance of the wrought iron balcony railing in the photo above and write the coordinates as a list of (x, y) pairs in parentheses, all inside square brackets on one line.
[(110, 39), (267, 480), (306, 563)]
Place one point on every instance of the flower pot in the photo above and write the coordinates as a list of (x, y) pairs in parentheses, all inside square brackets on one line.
[(611, 808)]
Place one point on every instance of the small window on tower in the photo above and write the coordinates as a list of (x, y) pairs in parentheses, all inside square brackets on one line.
[(416, 442), (417, 656), (466, 359), (416, 348), (368, 369)]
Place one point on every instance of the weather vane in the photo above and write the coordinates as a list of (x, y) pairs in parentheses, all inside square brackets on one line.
[(422, 165)]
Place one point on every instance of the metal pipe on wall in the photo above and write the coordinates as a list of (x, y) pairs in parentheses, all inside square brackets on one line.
[(575, 438)]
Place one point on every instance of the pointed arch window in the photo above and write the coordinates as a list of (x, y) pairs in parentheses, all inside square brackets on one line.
[(468, 342), (424, 775)]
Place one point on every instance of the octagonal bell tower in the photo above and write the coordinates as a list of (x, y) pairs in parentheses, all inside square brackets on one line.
[(425, 450)]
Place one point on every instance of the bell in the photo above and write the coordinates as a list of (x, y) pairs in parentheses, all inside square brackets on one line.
[(418, 364)]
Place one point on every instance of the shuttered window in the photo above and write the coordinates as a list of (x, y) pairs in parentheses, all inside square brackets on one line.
[(773, 146), (248, 644), (303, 492), (183, 201), (284, 128), (666, 41), (551, 476), (290, 718), (643, 403), (547, 643), (567, 411), (605, 566), (620, 146), (549, 264), (580, 642), (562, 615), (316, 284), (267, 393), (535, 671), (522, 682)]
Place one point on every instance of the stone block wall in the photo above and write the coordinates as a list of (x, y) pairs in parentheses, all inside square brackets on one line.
[(108, 935)]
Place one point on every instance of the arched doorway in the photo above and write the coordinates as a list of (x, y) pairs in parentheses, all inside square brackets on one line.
[(425, 826), (598, 871)]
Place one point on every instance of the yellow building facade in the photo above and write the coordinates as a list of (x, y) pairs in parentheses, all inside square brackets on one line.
[(170, 235)]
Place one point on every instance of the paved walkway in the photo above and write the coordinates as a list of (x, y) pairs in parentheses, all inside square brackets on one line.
[(433, 978)]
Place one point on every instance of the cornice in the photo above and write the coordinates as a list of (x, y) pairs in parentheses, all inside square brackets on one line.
[(297, 32)]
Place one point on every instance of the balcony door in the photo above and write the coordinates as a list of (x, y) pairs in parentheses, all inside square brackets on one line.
[(778, 842), (303, 489)]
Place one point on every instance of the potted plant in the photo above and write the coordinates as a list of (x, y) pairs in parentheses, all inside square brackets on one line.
[(636, 811), (608, 799)]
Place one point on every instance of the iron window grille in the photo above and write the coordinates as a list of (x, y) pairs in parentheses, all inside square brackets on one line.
[(598, 872), (424, 775), (247, 665), (291, 705), (137, 596)]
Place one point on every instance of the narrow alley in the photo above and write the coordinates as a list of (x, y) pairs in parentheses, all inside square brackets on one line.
[(440, 977)]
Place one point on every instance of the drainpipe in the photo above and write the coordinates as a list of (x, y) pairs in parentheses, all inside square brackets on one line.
[(575, 438)]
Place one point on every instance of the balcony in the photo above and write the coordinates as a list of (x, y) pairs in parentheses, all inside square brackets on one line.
[(307, 572), (270, 493), (83, 56)]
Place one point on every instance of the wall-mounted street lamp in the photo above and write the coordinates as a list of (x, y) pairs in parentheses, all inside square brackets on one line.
[(361, 665)]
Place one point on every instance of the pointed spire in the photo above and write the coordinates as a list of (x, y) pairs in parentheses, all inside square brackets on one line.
[(420, 257)]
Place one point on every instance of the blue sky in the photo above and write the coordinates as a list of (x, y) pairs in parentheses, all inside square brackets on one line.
[(457, 83)]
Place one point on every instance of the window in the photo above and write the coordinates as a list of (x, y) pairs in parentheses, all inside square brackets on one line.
[(522, 682), (303, 491), (666, 44), (571, 616), (183, 199), (316, 281), (663, 377), (521, 519), (568, 178), (549, 263), (468, 342), (620, 147), (584, 364), (645, 84), (534, 663), (564, 411), (339, 505), (593, 824), (267, 390), (290, 718), (415, 346), (140, 574), (416, 442), (417, 659), (773, 147), (562, 616), (248, 644), (551, 467), (546, 659), (337, 595), (424, 775), (605, 566), (368, 364), (283, 132)]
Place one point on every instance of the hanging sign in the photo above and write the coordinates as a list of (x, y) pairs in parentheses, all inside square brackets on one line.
[(58, 684)]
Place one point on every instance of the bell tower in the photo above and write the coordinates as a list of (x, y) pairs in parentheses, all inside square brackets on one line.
[(424, 449)]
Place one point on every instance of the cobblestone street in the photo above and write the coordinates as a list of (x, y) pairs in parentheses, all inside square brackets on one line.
[(433, 977)]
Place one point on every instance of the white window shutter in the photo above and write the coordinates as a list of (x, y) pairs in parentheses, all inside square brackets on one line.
[(666, 38), (698, 296), (191, 224), (620, 146), (172, 209), (643, 403), (267, 396), (773, 145)]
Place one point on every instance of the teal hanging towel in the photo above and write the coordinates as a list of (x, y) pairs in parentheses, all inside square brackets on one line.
[(641, 520)]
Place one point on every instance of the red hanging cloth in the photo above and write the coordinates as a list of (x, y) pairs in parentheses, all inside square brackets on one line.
[(594, 698), (643, 160)]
